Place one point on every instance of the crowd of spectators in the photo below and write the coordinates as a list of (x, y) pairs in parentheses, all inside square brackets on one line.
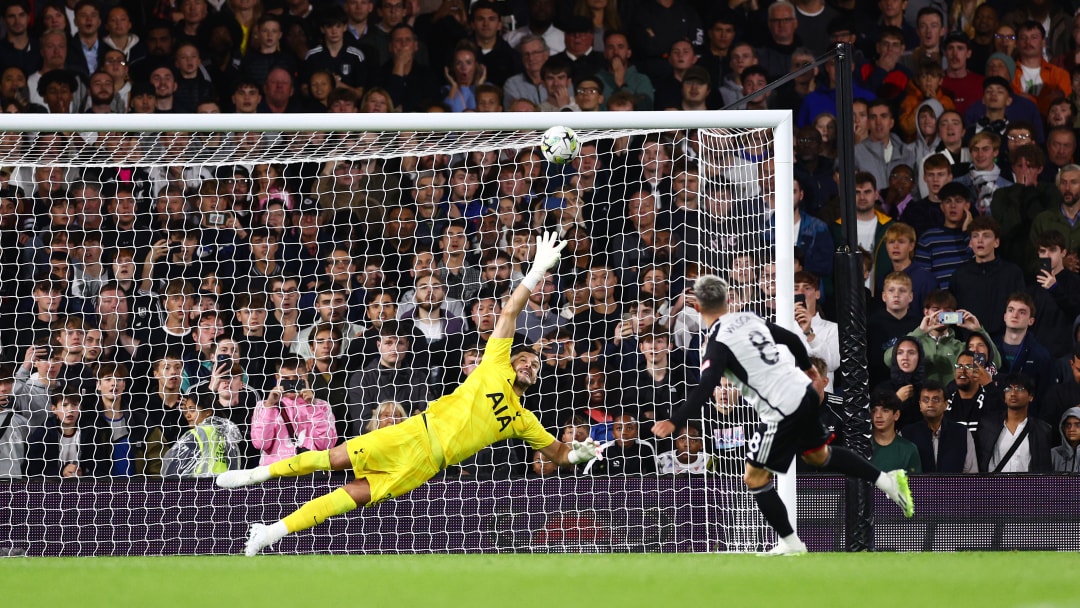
[(185, 319)]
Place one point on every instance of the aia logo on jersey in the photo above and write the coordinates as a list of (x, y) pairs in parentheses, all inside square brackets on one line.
[(500, 410)]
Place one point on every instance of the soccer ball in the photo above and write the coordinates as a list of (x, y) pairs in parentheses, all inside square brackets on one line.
[(559, 145)]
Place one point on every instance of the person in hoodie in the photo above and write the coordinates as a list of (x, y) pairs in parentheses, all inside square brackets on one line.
[(907, 373), (1065, 458), (983, 284), (925, 86), (926, 136), (949, 143)]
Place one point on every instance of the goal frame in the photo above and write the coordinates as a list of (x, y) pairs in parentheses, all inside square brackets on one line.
[(780, 122)]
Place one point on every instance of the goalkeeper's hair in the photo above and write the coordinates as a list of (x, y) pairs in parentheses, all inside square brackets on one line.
[(711, 292), (523, 348)]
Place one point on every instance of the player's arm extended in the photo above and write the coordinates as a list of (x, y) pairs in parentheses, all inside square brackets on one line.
[(565, 455), (548, 249), (712, 370)]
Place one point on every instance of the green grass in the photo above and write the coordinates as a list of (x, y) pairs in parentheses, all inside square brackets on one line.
[(913, 580)]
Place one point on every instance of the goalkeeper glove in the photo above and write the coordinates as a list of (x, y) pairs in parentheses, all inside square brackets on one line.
[(583, 451), (548, 250)]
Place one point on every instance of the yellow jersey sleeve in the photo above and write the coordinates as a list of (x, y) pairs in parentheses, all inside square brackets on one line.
[(531, 431), (497, 354)]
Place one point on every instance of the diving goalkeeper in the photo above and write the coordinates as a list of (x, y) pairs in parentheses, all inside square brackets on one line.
[(391, 461)]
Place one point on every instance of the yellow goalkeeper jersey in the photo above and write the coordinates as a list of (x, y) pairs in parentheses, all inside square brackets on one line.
[(484, 410)]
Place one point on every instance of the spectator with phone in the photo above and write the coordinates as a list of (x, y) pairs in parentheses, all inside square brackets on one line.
[(986, 354), (1056, 291), (208, 328), (937, 335), (35, 380), (983, 284), (1020, 350), (640, 316), (34, 327), (822, 337), (971, 395), (291, 419)]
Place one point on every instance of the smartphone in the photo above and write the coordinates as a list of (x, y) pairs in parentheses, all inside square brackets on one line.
[(215, 219), (800, 298), (980, 359), (44, 352), (1044, 264), (289, 386), (553, 348), (222, 358), (950, 318)]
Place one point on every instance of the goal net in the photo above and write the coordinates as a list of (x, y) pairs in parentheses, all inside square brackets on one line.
[(162, 275)]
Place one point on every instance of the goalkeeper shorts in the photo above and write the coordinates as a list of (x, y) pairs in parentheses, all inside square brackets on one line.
[(394, 459)]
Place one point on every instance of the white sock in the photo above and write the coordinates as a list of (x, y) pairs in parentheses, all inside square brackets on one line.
[(260, 474), (886, 484), (276, 531)]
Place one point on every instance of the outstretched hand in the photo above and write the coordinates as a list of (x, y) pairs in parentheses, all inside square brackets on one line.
[(663, 428), (583, 451), (548, 251)]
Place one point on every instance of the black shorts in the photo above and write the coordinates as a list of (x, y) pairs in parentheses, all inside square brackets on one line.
[(774, 445)]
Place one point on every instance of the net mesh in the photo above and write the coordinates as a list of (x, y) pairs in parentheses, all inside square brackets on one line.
[(141, 267)]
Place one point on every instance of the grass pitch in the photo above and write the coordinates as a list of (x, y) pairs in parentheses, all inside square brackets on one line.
[(911, 580)]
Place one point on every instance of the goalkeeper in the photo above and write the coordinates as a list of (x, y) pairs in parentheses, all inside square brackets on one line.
[(391, 461)]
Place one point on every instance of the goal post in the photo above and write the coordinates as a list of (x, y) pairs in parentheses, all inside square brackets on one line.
[(167, 244)]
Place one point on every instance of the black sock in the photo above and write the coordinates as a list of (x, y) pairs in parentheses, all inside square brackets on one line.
[(843, 460), (773, 509)]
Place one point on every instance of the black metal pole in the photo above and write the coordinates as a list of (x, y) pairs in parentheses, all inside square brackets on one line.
[(851, 311)]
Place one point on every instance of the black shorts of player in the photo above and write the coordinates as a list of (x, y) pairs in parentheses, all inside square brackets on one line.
[(774, 445)]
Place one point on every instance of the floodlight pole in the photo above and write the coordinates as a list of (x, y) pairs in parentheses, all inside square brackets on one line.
[(851, 314)]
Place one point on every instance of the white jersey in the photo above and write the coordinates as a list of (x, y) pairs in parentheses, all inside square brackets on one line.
[(745, 349)]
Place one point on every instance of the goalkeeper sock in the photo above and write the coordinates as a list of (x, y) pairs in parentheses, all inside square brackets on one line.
[(843, 460), (316, 511), (301, 464), (768, 501)]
